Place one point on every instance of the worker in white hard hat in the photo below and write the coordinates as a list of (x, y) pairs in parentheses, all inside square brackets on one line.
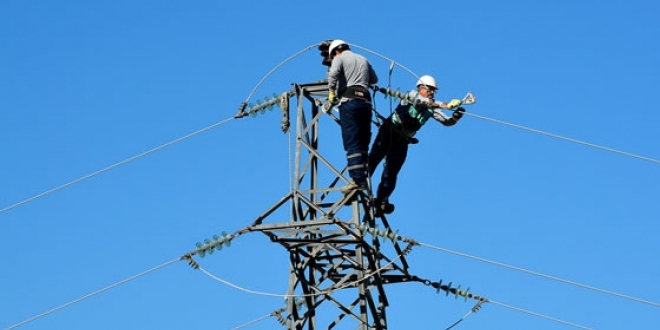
[(398, 130), (349, 77)]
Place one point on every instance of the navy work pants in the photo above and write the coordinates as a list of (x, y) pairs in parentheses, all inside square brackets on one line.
[(392, 146), (355, 121)]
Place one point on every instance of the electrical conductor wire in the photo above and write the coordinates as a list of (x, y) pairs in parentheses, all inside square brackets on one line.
[(92, 294), (115, 165), (554, 278), (254, 90), (323, 292), (252, 322), (277, 67), (455, 323), (540, 315), (564, 138), (445, 250)]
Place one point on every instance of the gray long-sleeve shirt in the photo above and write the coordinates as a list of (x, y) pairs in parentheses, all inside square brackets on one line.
[(350, 69)]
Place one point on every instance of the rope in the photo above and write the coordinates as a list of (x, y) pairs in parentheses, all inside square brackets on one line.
[(564, 138), (92, 294), (115, 165), (554, 278)]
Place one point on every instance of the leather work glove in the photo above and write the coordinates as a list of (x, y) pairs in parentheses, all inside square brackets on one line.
[(458, 113), (332, 98), (454, 103)]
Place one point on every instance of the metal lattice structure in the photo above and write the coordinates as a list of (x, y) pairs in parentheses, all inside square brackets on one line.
[(337, 270)]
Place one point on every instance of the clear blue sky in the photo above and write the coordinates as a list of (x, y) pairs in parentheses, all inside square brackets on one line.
[(84, 85)]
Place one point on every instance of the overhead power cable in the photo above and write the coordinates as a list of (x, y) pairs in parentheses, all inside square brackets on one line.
[(564, 138), (392, 62), (253, 321), (463, 318), (540, 315), (159, 147), (396, 94), (325, 292), (554, 278), (115, 165), (386, 234), (430, 246), (275, 68), (92, 294), (388, 59)]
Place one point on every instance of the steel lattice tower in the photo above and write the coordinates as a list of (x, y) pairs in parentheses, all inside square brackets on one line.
[(337, 269)]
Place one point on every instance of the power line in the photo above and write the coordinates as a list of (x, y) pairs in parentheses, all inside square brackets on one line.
[(159, 147), (350, 284), (540, 315), (253, 321), (324, 292), (388, 59), (275, 68), (254, 90), (366, 277), (92, 294), (565, 138), (554, 278), (114, 166), (220, 123), (520, 126)]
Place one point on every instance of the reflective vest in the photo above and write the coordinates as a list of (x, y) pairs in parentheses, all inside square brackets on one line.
[(411, 118)]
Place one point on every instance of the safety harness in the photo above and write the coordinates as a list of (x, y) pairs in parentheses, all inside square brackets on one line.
[(404, 131), (405, 119), (357, 92)]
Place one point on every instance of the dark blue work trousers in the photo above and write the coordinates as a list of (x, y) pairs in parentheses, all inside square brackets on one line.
[(355, 121), (393, 147)]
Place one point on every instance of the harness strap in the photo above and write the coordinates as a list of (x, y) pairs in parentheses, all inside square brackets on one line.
[(398, 129), (357, 92)]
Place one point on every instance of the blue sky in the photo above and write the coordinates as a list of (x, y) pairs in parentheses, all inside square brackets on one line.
[(85, 85)]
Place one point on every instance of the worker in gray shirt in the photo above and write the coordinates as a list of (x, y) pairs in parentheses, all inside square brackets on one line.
[(349, 78)]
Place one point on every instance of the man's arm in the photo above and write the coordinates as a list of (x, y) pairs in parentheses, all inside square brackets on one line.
[(446, 120), (333, 73), (373, 78)]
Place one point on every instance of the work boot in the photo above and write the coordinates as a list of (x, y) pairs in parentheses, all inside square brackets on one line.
[(384, 208), (351, 186)]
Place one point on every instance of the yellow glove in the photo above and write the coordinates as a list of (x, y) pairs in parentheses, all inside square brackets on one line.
[(454, 103), (332, 98)]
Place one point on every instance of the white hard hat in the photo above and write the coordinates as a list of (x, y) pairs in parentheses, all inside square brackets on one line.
[(334, 44), (427, 80)]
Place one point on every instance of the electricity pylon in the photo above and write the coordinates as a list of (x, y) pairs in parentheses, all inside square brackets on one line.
[(338, 268)]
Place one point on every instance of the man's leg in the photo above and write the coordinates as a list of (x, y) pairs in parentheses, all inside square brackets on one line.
[(393, 164), (379, 148), (351, 119)]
